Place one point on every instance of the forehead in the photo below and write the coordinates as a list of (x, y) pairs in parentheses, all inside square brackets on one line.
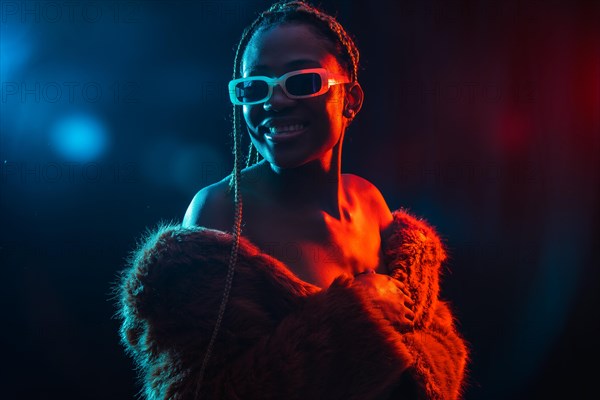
[(285, 48)]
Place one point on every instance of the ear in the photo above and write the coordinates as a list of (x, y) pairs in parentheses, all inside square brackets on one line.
[(353, 100)]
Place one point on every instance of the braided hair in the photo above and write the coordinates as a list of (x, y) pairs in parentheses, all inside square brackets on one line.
[(347, 54)]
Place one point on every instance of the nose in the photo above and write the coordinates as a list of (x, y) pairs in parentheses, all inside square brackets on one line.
[(278, 100)]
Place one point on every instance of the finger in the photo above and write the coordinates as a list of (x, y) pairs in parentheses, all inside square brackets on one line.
[(405, 292), (401, 285), (409, 315)]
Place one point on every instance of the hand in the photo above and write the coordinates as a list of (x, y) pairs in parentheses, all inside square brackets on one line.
[(390, 296)]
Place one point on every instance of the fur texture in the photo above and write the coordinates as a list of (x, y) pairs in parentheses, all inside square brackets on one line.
[(283, 338)]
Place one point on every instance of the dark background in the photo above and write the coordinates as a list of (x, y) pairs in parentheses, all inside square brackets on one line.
[(483, 117)]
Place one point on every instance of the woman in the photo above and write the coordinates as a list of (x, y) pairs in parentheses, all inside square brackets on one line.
[(319, 291)]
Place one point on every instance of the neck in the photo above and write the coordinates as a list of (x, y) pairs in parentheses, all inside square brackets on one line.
[(314, 185)]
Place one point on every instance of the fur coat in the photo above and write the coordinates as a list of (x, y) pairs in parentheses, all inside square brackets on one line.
[(281, 337)]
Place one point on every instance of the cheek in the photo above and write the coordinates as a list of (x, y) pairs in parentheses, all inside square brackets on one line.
[(335, 103), (249, 114), (334, 109)]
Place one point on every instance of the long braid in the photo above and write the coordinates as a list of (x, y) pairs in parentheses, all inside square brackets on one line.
[(237, 232), (237, 223), (278, 13)]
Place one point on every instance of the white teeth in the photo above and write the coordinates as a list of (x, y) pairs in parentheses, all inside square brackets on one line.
[(274, 130)]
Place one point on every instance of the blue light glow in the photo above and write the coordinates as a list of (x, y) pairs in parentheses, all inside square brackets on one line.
[(79, 138), (15, 50)]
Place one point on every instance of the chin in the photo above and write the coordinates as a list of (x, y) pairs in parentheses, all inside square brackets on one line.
[(285, 163), (288, 158), (291, 163), (283, 159)]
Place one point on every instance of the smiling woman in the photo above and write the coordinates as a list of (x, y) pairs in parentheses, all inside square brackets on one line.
[(319, 291)]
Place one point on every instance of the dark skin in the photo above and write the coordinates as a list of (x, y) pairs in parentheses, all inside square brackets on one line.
[(297, 205)]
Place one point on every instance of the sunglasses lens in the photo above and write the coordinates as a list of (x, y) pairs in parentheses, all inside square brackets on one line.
[(304, 84), (251, 91)]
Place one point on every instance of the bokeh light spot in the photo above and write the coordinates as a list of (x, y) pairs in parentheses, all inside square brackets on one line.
[(79, 138)]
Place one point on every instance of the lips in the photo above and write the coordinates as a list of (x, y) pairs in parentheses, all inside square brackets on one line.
[(282, 129), (278, 130)]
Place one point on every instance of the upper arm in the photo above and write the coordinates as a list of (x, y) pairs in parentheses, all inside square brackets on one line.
[(382, 211), (191, 214), (376, 203), (373, 198), (212, 207)]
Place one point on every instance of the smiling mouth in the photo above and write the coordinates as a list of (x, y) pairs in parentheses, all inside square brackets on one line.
[(280, 132)]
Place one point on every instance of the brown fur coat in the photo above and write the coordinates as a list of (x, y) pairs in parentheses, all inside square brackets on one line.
[(282, 338)]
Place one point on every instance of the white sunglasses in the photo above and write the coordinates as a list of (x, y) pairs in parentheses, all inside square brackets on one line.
[(300, 84)]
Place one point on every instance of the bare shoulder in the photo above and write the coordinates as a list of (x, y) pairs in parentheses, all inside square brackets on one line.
[(368, 191), (212, 207), (371, 196)]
